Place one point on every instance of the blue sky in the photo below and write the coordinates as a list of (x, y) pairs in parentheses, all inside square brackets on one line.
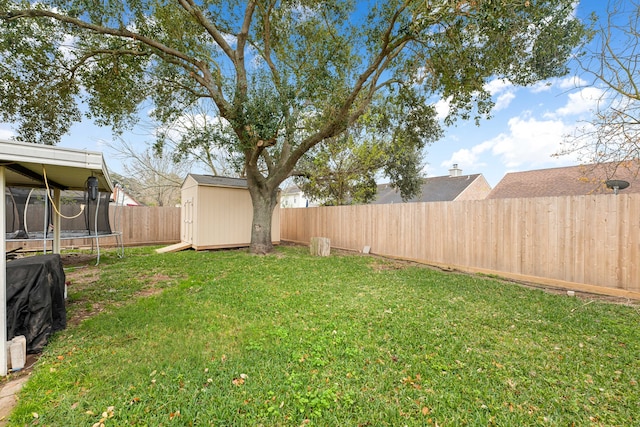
[(526, 128)]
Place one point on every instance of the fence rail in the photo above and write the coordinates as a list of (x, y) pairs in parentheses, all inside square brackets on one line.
[(140, 225), (589, 243)]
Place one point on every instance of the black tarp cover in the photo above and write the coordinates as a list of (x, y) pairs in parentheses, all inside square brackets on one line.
[(35, 299)]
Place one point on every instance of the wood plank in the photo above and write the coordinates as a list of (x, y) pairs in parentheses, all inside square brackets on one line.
[(174, 248)]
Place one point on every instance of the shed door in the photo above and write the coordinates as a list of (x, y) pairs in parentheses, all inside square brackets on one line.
[(187, 221)]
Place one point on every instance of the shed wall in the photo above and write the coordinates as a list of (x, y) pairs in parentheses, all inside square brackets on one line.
[(220, 217)]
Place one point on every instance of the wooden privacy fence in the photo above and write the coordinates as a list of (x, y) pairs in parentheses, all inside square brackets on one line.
[(140, 225), (589, 243)]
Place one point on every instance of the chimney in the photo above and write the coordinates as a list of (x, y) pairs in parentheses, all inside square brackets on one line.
[(455, 171)]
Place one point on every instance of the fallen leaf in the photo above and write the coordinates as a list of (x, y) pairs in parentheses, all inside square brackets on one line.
[(174, 415), (426, 411), (238, 381)]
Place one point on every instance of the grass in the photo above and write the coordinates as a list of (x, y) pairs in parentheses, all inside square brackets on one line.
[(229, 339)]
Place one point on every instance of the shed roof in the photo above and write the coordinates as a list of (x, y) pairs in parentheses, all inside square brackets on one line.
[(565, 181), (26, 165), (218, 181), (436, 189)]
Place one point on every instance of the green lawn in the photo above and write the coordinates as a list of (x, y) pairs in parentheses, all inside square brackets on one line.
[(229, 339)]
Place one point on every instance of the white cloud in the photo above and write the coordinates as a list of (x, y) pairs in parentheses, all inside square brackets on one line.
[(503, 101), (191, 121), (504, 90), (571, 82), (539, 87), (580, 102), (497, 86), (442, 107), (468, 159), (565, 83), (530, 142)]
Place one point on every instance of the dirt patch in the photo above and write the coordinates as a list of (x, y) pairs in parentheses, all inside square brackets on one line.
[(388, 265), (80, 276), (71, 260)]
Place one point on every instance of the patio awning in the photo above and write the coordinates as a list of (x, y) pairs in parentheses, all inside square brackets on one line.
[(41, 166), (66, 169)]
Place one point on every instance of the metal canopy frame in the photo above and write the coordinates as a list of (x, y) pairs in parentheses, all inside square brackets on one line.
[(42, 166)]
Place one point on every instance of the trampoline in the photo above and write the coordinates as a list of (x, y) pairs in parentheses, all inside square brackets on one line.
[(83, 215)]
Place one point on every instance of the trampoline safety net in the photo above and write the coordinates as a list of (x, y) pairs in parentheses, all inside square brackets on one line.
[(29, 214)]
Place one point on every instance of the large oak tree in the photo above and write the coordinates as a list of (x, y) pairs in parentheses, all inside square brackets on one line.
[(286, 75)]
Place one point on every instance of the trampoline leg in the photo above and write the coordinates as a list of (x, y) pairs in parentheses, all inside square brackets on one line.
[(120, 245), (97, 250)]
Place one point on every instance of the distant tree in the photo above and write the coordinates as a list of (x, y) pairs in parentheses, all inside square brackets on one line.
[(156, 172), (286, 75), (612, 137), (201, 139), (387, 141), (342, 171), (152, 178)]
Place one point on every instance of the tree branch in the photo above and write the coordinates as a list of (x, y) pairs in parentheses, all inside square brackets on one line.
[(212, 30), (168, 54), (389, 49), (100, 29)]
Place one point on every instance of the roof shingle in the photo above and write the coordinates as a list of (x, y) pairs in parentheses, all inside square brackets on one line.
[(565, 181), (437, 189), (220, 181)]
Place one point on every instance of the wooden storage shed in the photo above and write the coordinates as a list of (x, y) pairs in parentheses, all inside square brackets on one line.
[(217, 213)]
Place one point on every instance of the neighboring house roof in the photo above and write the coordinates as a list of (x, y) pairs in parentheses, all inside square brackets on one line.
[(121, 196), (291, 190), (293, 197), (440, 189), (565, 181), (218, 181)]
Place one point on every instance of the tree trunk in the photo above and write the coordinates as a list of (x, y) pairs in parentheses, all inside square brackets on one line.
[(320, 246), (264, 201)]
